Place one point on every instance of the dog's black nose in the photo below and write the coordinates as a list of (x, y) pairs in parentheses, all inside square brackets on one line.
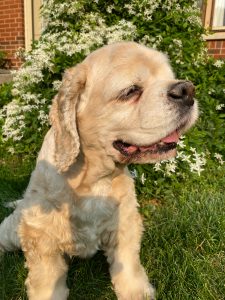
[(182, 93)]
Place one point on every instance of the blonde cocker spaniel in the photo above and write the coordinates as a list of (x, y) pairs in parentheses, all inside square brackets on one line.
[(121, 105)]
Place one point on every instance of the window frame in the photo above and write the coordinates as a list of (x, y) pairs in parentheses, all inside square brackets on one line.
[(32, 21), (208, 11)]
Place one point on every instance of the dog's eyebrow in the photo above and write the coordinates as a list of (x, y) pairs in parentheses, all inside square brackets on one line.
[(127, 93)]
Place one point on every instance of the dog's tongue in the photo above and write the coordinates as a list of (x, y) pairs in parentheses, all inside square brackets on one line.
[(172, 138), (132, 149)]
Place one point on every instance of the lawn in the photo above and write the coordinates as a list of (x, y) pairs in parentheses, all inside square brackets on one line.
[(183, 248)]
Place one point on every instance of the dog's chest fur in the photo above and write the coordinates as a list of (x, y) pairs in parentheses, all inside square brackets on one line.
[(93, 219)]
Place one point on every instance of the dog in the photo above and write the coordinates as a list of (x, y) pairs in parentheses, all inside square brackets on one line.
[(121, 105)]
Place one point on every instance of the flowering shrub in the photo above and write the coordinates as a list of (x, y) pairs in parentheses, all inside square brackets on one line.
[(75, 28)]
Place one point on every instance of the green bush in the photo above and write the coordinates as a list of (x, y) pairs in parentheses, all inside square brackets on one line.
[(2, 58), (5, 94), (75, 28)]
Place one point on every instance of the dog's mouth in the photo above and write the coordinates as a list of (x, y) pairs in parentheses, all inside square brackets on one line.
[(162, 146)]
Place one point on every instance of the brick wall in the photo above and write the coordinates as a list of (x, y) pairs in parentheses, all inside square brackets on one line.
[(12, 29), (217, 48)]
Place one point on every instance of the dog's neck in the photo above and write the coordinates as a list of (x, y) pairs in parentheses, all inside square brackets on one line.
[(90, 170)]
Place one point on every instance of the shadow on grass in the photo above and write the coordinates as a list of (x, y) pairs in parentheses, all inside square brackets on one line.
[(89, 279), (12, 276)]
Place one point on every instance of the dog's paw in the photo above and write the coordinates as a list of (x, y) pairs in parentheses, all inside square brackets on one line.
[(150, 293), (146, 294), (135, 289), (143, 293)]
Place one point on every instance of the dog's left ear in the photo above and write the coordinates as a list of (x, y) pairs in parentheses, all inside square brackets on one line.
[(63, 117)]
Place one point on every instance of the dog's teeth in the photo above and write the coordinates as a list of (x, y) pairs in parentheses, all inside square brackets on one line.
[(161, 143)]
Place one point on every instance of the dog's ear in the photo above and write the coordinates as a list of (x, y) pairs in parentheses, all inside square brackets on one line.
[(63, 117)]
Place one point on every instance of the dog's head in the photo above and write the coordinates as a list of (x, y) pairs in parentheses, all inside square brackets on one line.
[(124, 102)]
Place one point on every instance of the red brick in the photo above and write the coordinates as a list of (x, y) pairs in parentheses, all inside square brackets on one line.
[(219, 56), (7, 39), (9, 2), (13, 26), (3, 26), (14, 15), (4, 8), (10, 21), (20, 13), (212, 44), (13, 36), (4, 42), (20, 28), (5, 11), (7, 32), (20, 39), (15, 6), (14, 42), (12, 47), (214, 51), (5, 17), (218, 44)]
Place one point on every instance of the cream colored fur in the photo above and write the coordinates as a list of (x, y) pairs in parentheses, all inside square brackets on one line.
[(81, 197)]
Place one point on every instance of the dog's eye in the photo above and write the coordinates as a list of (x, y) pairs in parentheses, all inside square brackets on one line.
[(130, 92)]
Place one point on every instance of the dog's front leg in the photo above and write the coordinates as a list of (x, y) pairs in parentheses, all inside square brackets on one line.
[(128, 276), (46, 277), (47, 269)]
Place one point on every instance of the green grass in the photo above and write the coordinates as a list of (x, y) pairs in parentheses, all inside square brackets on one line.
[(183, 249)]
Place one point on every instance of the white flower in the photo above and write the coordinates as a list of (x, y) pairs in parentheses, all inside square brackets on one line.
[(178, 43), (184, 157), (211, 91), (220, 106), (192, 149), (143, 178), (143, 9), (56, 84), (181, 144), (218, 63), (109, 9), (199, 160), (43, 117), (171, 166), (11, 150), (219, 157), (157, 166)]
